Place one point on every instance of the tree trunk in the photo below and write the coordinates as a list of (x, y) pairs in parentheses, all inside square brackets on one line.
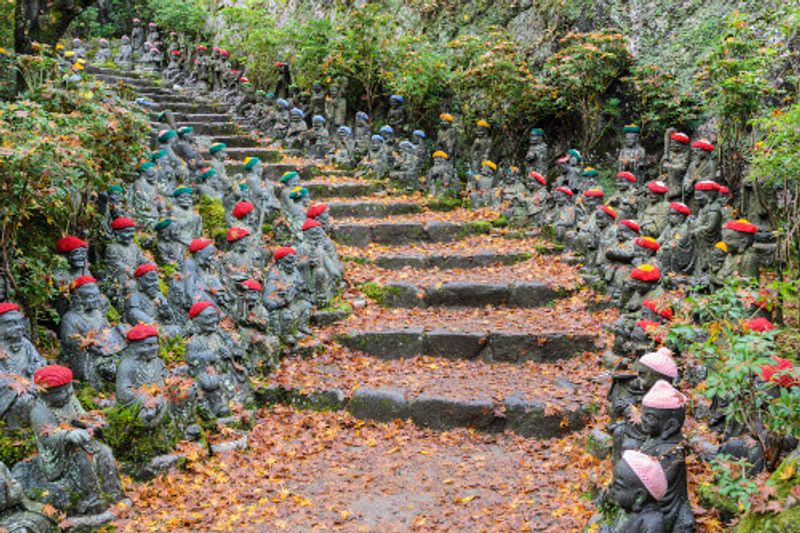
[(44, 21)]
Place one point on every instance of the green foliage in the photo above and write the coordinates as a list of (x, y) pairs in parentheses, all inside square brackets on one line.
[(172, 350), (16, 444), (660, 102), (61, 144), (183, 16), (583, 71), (132, 441), (213, 214), (732, 488)]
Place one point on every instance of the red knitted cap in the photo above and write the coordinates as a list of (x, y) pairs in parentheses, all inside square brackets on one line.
[(241, 209), (198, 244), (658, 187), (316, 210), (141, 270), (282, 252), (538, 177), (647, 242), (706, 185), (82, 280), (625, 175), (608, 211), (142, 331), (662, 311), (646, 272), (69, 243), (6, 307), (565, 190), (198, 308), (52, 376), (680, 207), (235, 233), (253, 285), (123, 222), (680, 137), (742, 226), (631, 224), (310, 223)]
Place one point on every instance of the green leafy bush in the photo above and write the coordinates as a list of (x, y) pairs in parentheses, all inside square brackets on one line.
[(132, 441)]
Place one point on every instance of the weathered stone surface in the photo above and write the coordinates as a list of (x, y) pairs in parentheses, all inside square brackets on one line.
[(443, 231), (341, 190), (383, 405), (437, 412), (453, 344), (212, 128), (265, 155), (465, 293), (237, 141), (156, 466), (402, 261), (516, 347), (397, 232), (401, 294), (528, 419), (230, 446), (599, 443), (352, 234), (387, 344), (325, 318), (532, 294), (372, 209)]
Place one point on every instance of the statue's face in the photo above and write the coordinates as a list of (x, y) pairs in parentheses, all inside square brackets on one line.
[(535, 139), (624, 233), (482, 132), (317, 87), (204, 256), (78, 258), (315, 234), (208, 320), (573, 161), (188, 137), (185, 201), (150, 175), (657, 422), (591, 202), (737, 242), (444, 124), (680, 147), (145, 349), (324, 218), (241, 245), (700, 154), (149, 282), (318, 126), (623, 185), (674, 218), (375, 145), (603, 220), (561, 198), (288, 263), (222, 155), (58, 396), (654, 197), (124, 235), (704, 198), (88, 297), (626, 488), (12, 329), (631, 139), (295, 118)]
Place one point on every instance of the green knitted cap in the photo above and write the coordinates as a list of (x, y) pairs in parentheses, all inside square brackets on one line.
[(289, 175), (147, 164), (251, 162), (159, 154), (115, 188), (217, 147), (166, 135), (576, 154), (537, 131), (631, 128), (186, 129), (183, 189), (589, 172), (162, 224)]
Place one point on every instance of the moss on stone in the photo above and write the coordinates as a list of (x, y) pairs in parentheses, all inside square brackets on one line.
[(16, 444), (132, 441), (379, 293), (172, 350), (213, 214)]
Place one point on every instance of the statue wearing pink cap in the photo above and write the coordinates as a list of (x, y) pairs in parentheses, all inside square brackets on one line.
[(638, 486), (629, 388)]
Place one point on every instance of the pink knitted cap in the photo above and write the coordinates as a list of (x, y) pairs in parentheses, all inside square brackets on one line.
[(662, 395), (664, 350), (649, 472), (661, 362)]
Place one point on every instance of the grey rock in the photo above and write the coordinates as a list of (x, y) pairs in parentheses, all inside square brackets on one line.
[(387, 344), (437, 412), (383, 405)]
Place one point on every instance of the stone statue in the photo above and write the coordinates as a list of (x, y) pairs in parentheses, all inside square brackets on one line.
[(20, 360), (565, 217), (186, 149), (336, 105), (17, 511), (286, 297), (290, 181), (74, 472), (152, 33), (707, 229), (215, 362), (407, 166), (78, 48), (742, 259), (144, 196), (676, 254), (103, 54), (296, 134), (282, 119), (122, 257), (320, 262), (167, 139), (76, 252), (481, 187), (702, 167), (361, 136), (397, 117), (604, 235), (536, 156), (342, 154), (653, 218), (199, 279), (442, 179), (376, 161), (570, 170), (675, 162), (201, 68), (170, 249), (219, 154), (446, 136), (321, 214), (481, 147), (318, 97), (638, 486), (137, 37), (628, 389), (284, 80), (147, 304), (245, 215), (244, 259), (141, 374), (643, 284), (624, 200), (260, 344), (619, 257), (420, 142), (632, 155), (152, 59), (538, 201), (209, 183), (186, 225), (89, 344), (318, 140), (124, 59)]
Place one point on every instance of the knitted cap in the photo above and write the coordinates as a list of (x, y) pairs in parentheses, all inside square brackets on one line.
[(207, 173), (631, 128), (658, 187), (680, 137), (282, 252), (141, 270), (630, 224), (537, 131), (594, 193), (251, 162), (608, 210), (706, 185), (290, 175), (7, 307), (627, 176), (418, 133), (81, 281), (649, 472), (242, 209), (489, 164), (185, 129), (183, 189), (704, 145), (646, 272), (647, 242), (681, 208), (52, 376), (447, 117), (145, 166), (69, 243), (236, 233), (165, 135), (721, 246), (140, 332), (123, 222), (310, 223), (386, 130), (664, 311), (661, 362), (217, 147), (316, 210), (538, 177), (198, 308), (662, 395), (198, 244), (565, 190), (482, 124), (253, 285), (742, 226), (589, 172), (439, 153)]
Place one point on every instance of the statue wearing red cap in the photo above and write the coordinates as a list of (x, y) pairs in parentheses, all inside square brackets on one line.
[(320, 262), (287, 297), (121, 259), (675, 162), (19, 362)]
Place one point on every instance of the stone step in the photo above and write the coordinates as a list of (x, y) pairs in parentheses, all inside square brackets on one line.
[(469, 294), (202, 117), (133, 82), (237, 141), (274, 171), (531, 399), (266, 156), (194, 107), (419, 261), (179, 98), (403, 232), (362, 208), (107, 71), (321, 189), (212, 128), (498, 346)]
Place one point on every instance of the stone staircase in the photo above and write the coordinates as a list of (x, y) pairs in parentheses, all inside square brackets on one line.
[(465, 325)]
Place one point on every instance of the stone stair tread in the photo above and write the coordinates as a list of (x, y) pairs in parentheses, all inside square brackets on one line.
[(532, 399), (456, 216), (238, 141)]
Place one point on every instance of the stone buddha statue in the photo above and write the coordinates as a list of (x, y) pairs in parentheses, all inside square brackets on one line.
[(482, 187), (676, 254), (122, 257), (124, 59), (389, 145), (632, 155), (137, 37), (565, 217), (170, 249), (317, 100), (78, 48), (481, 147), (244, 259), (628, 389), (261, 345), (215, 362), (318, 140), (570, 170), (103, 54), (144, 197), (741, 259), (219, 154), (702, 167), (397, 117), (74, 472), (624, 199), (167, 140), (653, 218), (446, 136), (90, 345), (588, 181), (336, 104), (376, 162), (76, 253), (200, 278), (320, 262), (244, 215), (186, 149), (19, 362), (639, 484), (200, 70), (441, 179), (286, 296), (141, 374), (605, 234), (321, 214), (536, 156), (147, 304), (343, 154), (186, 225), (361, 136), (17, 512), (296, 133), (152, 33), (619, 257), (708, 227), (538, 201), (675, 162), (644, 283)]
